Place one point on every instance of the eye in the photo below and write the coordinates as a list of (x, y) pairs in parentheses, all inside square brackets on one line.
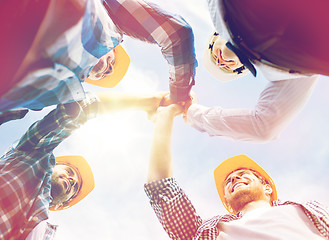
[(76, 188), (228, 181), (69, 171)]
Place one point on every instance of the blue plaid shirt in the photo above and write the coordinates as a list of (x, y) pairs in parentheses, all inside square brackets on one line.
[(99, 31), (26, 169)]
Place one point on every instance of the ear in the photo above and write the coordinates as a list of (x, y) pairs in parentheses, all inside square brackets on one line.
[(268, 190), (230, 208)]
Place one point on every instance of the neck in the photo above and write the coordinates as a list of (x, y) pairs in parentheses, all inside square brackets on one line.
[(254, 205)]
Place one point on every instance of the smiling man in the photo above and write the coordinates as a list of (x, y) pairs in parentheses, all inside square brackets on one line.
[(33, 181), (52, 47), (245, 189)]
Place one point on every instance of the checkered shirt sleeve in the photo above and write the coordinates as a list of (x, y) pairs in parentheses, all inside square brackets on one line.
[(177, 214), (25, 170), (46, 134), (173, 209), (12, 115), (69, 60), (50, 232), (172, 33)]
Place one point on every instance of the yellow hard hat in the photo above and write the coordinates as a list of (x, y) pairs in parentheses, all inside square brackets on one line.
[(239, 162), (86, 177), (121, 65)]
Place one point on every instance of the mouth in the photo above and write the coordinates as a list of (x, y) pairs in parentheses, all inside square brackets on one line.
[(67, 185), (237, 185), (109, 66)]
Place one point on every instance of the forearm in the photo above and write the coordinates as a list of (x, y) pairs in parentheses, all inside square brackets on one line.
[(57, 125), (172, 33), (112, 102), (160, 166), (173, 208), (278, 104)]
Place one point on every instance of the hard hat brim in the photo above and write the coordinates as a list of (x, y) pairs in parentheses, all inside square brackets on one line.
[(216, 71), (239, 162), (121, 65), (80, 164)]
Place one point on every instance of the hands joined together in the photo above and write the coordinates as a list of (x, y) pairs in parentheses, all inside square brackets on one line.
[(163, 105)]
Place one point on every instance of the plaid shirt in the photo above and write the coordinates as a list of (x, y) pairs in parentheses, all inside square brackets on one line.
[(75, 53), (172, 33), (26, 169), (180, 220)]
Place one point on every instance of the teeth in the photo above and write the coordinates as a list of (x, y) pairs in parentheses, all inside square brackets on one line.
[(237, 186)]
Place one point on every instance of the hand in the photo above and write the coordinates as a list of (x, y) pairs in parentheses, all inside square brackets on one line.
[(187, 104), (156, 100), (170, 111), (166, 101)]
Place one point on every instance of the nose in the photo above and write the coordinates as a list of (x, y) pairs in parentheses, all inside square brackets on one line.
[(72, 181), (235, 178), (109, 69), (222, 61)]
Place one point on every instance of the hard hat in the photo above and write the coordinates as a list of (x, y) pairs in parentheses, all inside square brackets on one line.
[(86, 178), (239, 162), (217, 72), (121, 65)]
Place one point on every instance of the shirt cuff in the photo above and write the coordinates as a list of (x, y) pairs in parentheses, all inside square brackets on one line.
[(163, 189), (90, 105), (180, 94), (195, 116)]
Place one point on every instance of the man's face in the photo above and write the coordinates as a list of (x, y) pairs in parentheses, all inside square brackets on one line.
[(242, 187), (104, 67), (65, 182), (223, 57)]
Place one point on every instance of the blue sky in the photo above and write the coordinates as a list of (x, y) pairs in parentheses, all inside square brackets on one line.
[(118, 145)]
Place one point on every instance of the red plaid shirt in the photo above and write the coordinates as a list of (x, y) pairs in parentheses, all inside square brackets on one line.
[(148, 22), (180, 220)]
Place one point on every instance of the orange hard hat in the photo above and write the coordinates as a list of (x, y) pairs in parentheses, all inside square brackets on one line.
[(239, 162), (121, 65), (86, 178)]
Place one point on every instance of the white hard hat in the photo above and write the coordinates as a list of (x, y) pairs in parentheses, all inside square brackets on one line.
[(217, 72)]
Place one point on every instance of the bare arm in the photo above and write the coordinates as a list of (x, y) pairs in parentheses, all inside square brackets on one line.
[(111, 102), (160, 165)]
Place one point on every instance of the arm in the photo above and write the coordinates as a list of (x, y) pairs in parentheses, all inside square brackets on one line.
[(172, 207), (160, 159), (146, 22), (49, 132), (277, 106), (112, 102)]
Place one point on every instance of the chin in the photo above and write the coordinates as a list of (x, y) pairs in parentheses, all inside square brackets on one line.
[(241, 198)]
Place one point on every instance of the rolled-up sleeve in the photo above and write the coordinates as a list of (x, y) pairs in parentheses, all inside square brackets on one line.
[(173, 209), (57, 125), (277, 106), (172, 33)]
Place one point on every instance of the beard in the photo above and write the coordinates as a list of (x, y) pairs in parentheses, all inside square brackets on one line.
[(244, 196), (57, 192)]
